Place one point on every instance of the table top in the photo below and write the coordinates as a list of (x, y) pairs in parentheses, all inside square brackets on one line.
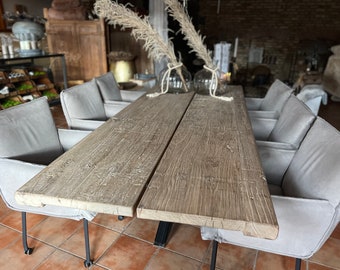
[(210, 174), (108, 170), (194, 155)]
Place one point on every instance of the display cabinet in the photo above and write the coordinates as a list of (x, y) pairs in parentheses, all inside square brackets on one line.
[(22, 80)]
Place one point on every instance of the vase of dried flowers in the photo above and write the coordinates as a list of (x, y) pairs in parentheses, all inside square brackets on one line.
[(154, 44), (173, 80), (208, 80), (205, 83)]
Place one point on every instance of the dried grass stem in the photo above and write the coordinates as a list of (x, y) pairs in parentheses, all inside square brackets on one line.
[(141, 29), (194, 39)]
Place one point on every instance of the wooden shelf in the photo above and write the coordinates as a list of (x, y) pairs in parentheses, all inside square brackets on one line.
[(26, 86)]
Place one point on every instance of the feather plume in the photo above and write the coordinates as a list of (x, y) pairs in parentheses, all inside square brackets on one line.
[(141, 29), (194, 39), (118, 14)]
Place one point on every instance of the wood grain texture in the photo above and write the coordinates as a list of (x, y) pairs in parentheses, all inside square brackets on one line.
[(210, 174), (107, 171)]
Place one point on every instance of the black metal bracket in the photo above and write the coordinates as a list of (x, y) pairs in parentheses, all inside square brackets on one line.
[(162, 233)]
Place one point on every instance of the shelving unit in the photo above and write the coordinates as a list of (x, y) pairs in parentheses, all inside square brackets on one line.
[(21, 81), (20, 85)]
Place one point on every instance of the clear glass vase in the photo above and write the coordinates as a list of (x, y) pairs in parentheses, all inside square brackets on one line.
[(203, 80), (179, 81)]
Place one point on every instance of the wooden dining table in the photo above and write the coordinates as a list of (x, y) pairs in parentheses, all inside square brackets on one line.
[(211, 174), (183, 158)]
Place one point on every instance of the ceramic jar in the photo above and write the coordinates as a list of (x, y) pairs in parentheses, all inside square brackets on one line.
[(28, 33)]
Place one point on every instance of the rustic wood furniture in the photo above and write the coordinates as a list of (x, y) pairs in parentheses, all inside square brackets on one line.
[(108, 171), (198, 151), (83, 43), (210, 174)]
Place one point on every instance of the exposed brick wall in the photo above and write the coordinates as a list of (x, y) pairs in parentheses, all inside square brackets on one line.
[(281, 27)]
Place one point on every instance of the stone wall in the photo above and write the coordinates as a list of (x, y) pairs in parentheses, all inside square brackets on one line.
[(290, 32)]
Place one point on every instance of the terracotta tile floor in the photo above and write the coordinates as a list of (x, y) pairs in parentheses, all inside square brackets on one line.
[(58, 243)]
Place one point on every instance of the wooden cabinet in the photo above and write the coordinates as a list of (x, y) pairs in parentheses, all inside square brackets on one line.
[(83, 43)]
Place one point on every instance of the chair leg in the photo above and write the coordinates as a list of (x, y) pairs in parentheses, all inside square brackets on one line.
[(213, 255), (88, 262), (27, 249), (297, 264)]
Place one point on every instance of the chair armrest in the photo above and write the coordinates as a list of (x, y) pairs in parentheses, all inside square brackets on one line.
[(262, 127), (113, 107), (131, 96), (69, 137), (253, 103), (13, 175), (117, 103), (81, 124), (264, 114), (277, 145), (275, 162)]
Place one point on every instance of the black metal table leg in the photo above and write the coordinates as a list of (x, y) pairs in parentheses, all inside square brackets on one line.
[(213, 255), (162, 233), (88, 262), (27, 249)]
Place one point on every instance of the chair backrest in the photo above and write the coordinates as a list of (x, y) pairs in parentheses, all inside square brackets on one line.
[(294, 122), (276, 96), (28, 133), (83, 102), (108, 87), (314, 171)]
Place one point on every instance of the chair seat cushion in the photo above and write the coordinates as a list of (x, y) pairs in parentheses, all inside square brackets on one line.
[(301, 223)]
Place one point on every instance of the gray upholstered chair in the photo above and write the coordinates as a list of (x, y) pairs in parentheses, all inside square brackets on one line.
[(287, 132), (30, 141), (110, 91), (307, 200), (289, 129), (84, 107), (271, 105)]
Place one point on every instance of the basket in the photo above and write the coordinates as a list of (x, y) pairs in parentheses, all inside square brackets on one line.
[(25, 87), (17, 75), (43, 84), (36, 72), (11, 101)]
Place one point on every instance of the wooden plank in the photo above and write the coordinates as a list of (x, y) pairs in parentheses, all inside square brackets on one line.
[(210, 174), (108, 170)]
